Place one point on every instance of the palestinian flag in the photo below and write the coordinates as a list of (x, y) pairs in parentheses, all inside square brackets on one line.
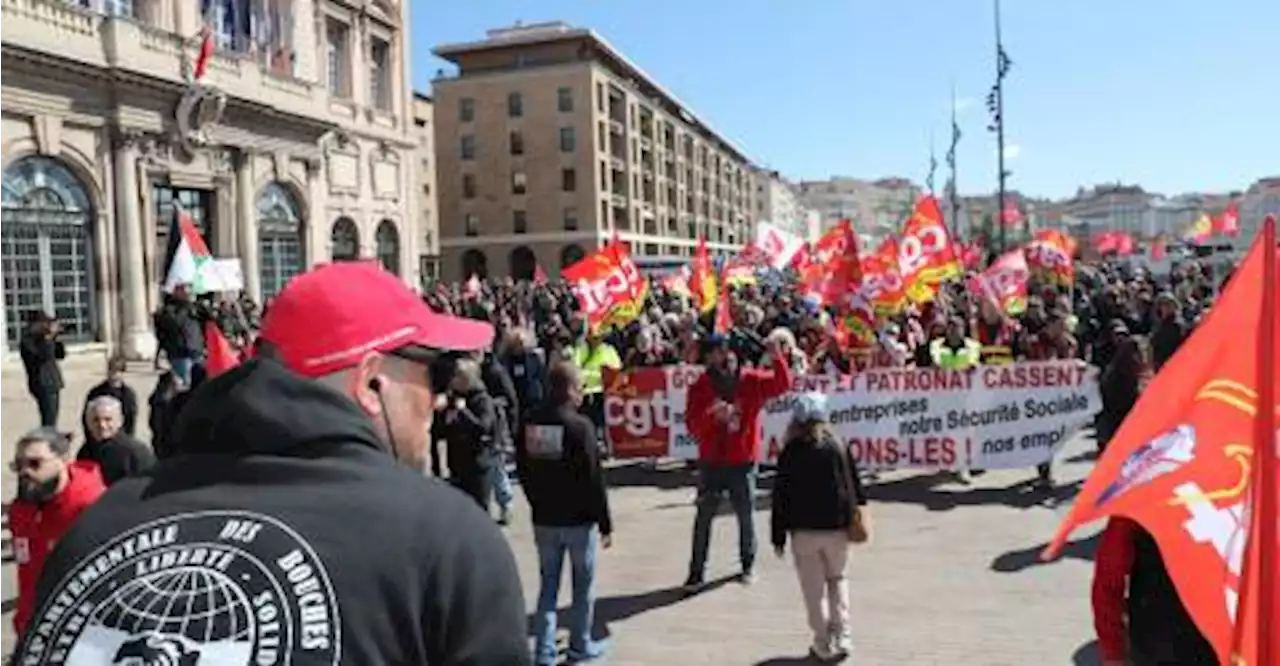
[(186, 254)]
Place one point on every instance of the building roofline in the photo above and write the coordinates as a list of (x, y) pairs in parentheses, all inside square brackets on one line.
[(422, 96), (546, 33)]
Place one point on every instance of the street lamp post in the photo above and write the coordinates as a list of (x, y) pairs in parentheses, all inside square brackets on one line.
[(995, 105)]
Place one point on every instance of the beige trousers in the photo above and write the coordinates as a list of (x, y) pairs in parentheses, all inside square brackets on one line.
[(821, 558)]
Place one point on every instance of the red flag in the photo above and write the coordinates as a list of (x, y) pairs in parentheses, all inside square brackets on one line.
[(724, 312), (1159, 248), (702, 278), (1195, 465), (834, 269), (221, 355), (1227, 222)]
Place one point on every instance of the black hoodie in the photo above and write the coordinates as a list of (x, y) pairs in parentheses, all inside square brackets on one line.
[(283, 530)]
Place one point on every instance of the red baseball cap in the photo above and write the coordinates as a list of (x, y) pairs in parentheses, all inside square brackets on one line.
[(326, 319)]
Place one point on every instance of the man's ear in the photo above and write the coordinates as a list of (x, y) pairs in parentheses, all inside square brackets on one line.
[(366, 382)]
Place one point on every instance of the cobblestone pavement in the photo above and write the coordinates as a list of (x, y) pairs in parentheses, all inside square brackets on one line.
[(951, 579)]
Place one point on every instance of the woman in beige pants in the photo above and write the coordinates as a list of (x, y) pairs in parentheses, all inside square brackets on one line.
[(813, 496)]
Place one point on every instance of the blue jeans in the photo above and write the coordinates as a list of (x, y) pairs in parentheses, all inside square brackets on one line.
[(581, 542), (181, 367), (714, 481), (501, 483)]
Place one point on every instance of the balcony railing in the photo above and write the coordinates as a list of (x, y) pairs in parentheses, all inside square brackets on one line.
[(65, 30)]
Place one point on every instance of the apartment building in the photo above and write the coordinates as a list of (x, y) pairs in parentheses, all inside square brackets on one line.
[(779, 203), (876, 207), (294, 148), (1260, 200), (428, 227), (550, 141)]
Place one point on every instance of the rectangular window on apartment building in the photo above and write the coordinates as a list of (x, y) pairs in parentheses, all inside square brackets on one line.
[(568, 180), (337, 36), (466, 110), (518, 182), (519, 224), (468, 147), (515, 105), (517, 142), (604, 176), (380, 74), (604, 214), (471, 224), (600, 97), (564, 100), (468, 186), (569, 218), (568, 140)]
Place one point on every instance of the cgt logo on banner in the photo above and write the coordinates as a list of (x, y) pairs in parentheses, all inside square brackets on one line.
[(994, 417)]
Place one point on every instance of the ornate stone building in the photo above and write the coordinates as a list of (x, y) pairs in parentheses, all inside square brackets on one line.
[(295, 148)]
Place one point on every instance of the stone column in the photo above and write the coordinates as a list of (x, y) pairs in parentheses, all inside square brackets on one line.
[(247, 226), (137, 341), (318, 229)]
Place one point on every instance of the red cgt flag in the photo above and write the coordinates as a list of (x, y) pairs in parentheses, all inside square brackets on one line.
[(1197, 457), (833, 269)]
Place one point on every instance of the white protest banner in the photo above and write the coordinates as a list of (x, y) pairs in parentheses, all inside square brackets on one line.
[(990, 417)]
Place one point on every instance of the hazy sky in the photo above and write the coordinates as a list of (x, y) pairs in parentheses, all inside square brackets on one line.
[(1173, 94)]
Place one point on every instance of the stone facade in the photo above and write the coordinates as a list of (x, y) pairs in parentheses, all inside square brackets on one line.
[(279, 161)]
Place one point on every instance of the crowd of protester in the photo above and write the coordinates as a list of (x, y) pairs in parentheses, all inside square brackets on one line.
[(531, 402)]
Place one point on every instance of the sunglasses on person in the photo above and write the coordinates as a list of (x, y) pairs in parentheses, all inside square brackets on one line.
[(32, 464)]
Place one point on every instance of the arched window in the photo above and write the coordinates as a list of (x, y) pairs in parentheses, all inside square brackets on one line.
[(344, 240), (474, 262), (388, 242), (571, 254), (279, 238), (47, 250), (522, 263)]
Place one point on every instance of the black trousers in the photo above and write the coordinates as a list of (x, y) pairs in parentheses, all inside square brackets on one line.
[(47, 403), (474, 482)]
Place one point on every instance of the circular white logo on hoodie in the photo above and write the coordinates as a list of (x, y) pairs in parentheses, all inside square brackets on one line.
[(215, 587)]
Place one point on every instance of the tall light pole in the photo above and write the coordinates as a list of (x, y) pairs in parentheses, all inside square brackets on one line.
[(952, 187), (995, 105)]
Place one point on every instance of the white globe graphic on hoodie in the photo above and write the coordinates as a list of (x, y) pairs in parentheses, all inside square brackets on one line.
[(178, 617)]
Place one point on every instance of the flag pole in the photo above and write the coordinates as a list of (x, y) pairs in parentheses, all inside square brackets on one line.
[(1265, 514)]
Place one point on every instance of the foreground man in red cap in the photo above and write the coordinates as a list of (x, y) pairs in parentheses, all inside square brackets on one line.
[(294, 523)]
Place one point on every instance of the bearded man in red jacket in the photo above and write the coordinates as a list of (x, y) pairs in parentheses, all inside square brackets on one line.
[(52, 492), (721, 412)]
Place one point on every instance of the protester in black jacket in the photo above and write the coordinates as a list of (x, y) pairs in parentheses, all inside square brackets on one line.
[(559, 467), (167, 388), (180, 332), (297, 507), (1169, 331), (115, 387), (527, 370), (41, 351), (116, 452), (814, 492), (469, 429)]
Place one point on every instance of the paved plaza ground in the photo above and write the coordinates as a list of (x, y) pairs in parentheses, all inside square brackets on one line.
[(952, 577)]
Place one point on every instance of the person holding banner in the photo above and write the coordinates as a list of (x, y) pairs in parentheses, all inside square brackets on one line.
[(722, 412)]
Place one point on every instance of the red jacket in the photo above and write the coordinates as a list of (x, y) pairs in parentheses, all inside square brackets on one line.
[(718, 442), (1112, 563), (36, 529)]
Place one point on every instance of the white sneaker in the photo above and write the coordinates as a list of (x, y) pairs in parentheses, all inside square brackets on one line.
[(821, 651)]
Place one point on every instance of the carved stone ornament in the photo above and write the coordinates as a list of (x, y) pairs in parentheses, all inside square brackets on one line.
[(200, 108)]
